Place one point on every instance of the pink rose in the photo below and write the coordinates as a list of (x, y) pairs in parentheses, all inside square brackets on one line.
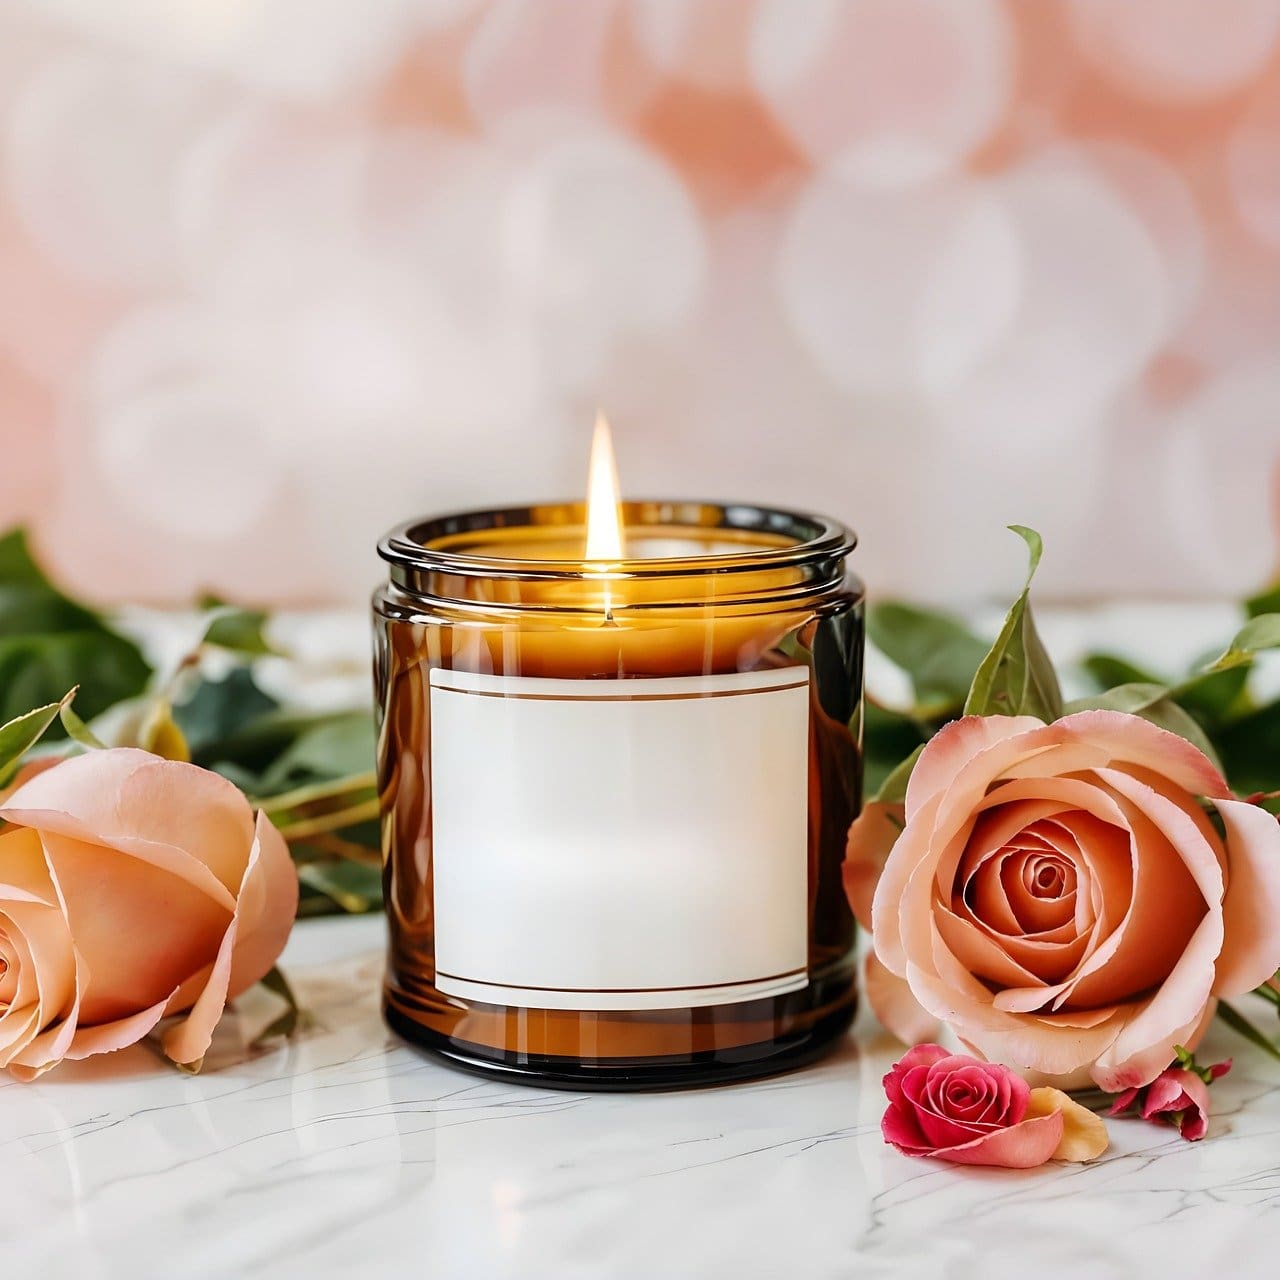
[(131, 888), (969, 1112), (1061, 899), (1178, 1096)]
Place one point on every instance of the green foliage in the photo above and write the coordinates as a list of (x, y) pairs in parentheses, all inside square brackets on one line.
[(939, 653), (76, 728), (49, 644), (239, 631), (20, 734), (893, 790), (1262, 631), (1267, 601), (1210, 704), (1016, 677), (888, 737), (311, 772)]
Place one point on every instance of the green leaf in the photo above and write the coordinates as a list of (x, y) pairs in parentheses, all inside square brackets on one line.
[(1108, 670), (1241, 1025), (893, 790), (292, 1018), (1268, 993), (1152, 702), (1214, 697), (334, 798), (20, 734), (38, 669), (48, 643), (887, 738), (239, 631), (335, 747), (351, 886), (1250, 750), (1267, 601), (1016, 677), (937, 651), (1259, 633), (16, 562), (217, 710), (77, 730)]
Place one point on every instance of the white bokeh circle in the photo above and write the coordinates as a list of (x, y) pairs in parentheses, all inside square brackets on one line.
[(900, 89), (1176, 50), (600, 239), (542, 53), (900, 288), (177, 435), (1220, 463), (95, 144), (1253, 164), (1157, 195), (703, 44), (1094, 308), (306, 50)]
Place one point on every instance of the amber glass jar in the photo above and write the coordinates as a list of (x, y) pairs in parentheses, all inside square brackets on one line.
[(615, 796)]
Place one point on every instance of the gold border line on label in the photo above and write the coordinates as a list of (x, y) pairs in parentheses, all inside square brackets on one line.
[(620, 697), (624, 991)]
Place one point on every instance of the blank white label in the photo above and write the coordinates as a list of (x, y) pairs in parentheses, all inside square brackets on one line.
[(620, 844)]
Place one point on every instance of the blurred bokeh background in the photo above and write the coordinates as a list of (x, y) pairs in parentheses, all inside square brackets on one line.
[(275, 274)]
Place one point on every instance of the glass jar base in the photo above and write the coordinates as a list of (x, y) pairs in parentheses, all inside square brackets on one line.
[(626, 1075)]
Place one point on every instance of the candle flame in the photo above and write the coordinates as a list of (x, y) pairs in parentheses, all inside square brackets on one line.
[(604, 514)]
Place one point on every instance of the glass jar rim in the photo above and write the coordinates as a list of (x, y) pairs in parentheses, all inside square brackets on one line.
[(801, 541)]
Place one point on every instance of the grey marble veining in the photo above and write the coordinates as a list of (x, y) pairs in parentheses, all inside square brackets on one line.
[(345, 1152)]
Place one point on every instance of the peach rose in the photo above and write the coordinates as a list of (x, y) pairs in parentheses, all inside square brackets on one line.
[(131, 888), (1061, 899)]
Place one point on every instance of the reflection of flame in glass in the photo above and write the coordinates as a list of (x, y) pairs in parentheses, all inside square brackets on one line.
[(604, 516)]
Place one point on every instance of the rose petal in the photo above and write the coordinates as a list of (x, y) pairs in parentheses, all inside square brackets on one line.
[(1025, 1145), (172, 928), (1174, 871), (953, 746), (106, 1037), (897, 1010), (871, 838), (943, 1131), (39, 939), (1122, 1102), (1168, 1092), (982, 955), (1084, 1136), (271, 888), (1139, 1052), (1133, 740), (899, 1127), (1251, 906), (921, 1055), (266, 907), (909, 853), (134, 795)]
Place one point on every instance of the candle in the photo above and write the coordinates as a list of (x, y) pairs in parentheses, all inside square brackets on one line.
[(618, 758)]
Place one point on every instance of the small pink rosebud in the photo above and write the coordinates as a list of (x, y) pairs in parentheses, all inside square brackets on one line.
[(1178, 1096)]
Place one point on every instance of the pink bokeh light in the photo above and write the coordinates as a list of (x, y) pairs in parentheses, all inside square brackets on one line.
[(276, 275)]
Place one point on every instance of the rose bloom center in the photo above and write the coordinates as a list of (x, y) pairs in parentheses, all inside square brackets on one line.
[(1032, 901)]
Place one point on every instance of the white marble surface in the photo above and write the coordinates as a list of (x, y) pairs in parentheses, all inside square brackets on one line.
[(347, 1153)]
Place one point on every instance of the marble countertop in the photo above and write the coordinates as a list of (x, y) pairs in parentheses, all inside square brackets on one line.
[(346, 1152)]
